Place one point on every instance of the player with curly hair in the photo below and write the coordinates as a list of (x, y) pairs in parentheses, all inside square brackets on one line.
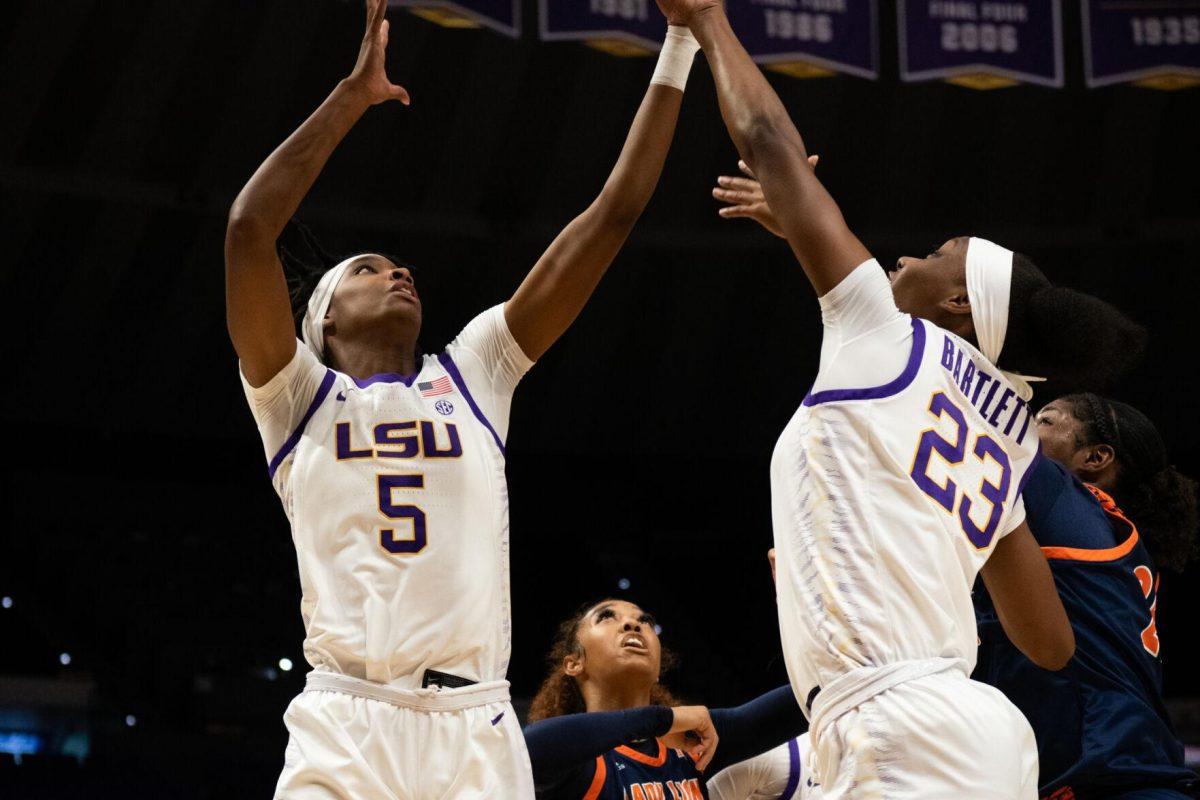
[(604, 727)]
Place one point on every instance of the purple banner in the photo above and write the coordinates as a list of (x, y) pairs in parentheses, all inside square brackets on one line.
[(1142, 40), (981, 43), (633, 22), (499, 15), (837, 35)]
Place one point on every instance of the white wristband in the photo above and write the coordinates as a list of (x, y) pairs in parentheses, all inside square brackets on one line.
[(675, 58)]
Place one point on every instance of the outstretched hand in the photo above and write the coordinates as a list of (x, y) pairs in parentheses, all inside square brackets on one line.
[(746, 199), (680, 12), (370, 75)]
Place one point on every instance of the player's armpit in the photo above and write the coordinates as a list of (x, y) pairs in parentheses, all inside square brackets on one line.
[(1027, 602)]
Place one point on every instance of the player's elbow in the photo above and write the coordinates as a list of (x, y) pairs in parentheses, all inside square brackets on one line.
[(1055, 650), (244, 226), (762, 133)]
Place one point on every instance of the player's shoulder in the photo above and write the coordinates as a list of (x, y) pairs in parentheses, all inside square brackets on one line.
[(1048, 483), (485, 325), (301, 370), (1069, 521)]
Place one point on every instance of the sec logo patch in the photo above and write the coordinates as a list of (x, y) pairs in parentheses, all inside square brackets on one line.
[(444, 407)]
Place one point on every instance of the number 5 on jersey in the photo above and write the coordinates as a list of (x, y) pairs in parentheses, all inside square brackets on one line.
[(390, 509), (947, 494)]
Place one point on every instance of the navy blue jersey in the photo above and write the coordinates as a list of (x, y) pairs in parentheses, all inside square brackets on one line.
[(646, 771), (617, 755), (1100, 723)]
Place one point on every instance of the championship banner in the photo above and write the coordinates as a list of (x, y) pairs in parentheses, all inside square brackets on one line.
[(809, 38), (981, 44), (620, 27), (503, 16), (1153, 43)]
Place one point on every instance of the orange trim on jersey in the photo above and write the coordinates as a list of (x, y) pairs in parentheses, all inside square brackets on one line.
[(597, 780), (629, 752), (1065, 793), (1107, 554), (695, 761)]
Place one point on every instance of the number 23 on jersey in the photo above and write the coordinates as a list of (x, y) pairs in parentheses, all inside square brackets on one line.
[(964, 448)]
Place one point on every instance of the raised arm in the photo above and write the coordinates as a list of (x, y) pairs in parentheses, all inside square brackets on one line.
[(560, 283), (1031, 612), (258, 311), (769, 143)]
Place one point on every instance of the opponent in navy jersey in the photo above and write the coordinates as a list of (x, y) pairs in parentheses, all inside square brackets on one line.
[(608, 656), (642, 771), (390, 463), (1101, 725)]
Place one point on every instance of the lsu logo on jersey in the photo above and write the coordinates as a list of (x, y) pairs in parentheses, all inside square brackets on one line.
[(422, 438), (406, 531)]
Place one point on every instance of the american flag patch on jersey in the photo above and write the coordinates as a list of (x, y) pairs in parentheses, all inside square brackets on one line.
[(436, 387)]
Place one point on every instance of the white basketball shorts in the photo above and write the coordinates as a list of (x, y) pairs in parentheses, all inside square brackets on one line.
[(355, 740), (939, 737)]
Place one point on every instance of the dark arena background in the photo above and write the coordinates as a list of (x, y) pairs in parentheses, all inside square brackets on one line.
[(149, 630)]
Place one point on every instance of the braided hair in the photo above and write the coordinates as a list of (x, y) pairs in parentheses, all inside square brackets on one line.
[(559, 693), (305, 261), (1157, 497), (1077, 340)]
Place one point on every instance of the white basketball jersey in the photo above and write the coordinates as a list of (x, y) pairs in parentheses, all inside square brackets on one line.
[(777, 774), (887, 500), (396, 493)]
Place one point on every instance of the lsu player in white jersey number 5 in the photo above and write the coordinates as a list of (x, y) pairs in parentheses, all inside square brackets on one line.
[(899, 479), (390, 464)]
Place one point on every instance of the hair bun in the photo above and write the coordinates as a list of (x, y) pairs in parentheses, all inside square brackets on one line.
[(1080, 340)]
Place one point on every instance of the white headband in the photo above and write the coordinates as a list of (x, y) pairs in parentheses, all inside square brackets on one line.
[(313, 326), (989, 287)]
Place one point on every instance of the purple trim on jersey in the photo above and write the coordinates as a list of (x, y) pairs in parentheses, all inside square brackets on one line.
[(452, 369), (793, 781), (294, 439), (886, 390), (386, 377), (1029, 471), (394, 377)]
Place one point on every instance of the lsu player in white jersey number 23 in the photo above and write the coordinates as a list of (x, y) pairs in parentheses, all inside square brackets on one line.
[(390, 463), (897, 481)]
